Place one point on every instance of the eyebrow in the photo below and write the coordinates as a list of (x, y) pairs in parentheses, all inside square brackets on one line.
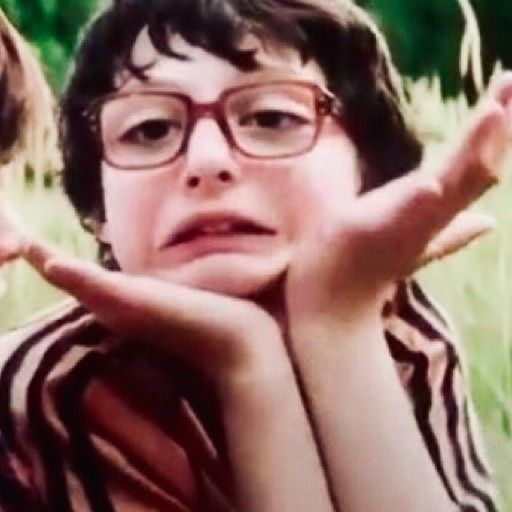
[(261, 74), (134, 84)]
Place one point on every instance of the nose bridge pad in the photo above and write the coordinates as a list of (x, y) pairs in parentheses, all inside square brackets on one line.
[(200, 131)]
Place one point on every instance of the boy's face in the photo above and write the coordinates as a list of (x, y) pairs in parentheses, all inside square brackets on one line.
[(214, 218)]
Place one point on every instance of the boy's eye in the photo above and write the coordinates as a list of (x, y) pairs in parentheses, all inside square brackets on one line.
[(151, 131), (273, 119)]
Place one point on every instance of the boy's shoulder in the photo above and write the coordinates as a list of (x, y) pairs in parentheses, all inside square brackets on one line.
[(414, 318), (36, 357), (46, 367), (420, 338)]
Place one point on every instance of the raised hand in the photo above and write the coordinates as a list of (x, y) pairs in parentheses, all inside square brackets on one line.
[(342, 272), (389, 232)]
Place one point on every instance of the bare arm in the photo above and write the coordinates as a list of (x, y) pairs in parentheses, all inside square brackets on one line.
[(373, 448), (272, 446), (375, 455)]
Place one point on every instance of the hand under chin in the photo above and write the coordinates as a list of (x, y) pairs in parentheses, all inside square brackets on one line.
[(233, 275)]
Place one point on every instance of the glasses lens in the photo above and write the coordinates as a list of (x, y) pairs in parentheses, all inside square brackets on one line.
[(273, 120), (142, 130)]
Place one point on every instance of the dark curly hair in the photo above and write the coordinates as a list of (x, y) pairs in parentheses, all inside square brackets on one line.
[(339, 36)]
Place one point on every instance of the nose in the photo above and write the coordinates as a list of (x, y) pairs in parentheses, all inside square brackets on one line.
[(209, 162)]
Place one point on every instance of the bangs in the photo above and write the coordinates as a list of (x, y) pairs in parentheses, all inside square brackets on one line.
[(217, 26), (337, 34)]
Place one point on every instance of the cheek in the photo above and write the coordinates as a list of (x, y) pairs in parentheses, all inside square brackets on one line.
[(131, 207), (320, 185)]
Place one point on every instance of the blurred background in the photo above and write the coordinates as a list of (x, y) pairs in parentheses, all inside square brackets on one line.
[(424, 35), (446, 50)]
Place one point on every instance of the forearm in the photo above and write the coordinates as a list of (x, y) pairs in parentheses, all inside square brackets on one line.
[(373, 449), (273, 456)]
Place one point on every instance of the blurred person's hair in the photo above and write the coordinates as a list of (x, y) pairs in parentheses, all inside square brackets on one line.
[(28, 132)]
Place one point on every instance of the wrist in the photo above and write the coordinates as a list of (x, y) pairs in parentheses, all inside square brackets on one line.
[(335, 327), (262, 364), (255, 388)]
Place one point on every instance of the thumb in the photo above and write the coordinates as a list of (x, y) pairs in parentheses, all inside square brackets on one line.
[(462, 230)]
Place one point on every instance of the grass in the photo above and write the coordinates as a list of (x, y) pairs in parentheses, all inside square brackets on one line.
[(47, 212), (474, 286)]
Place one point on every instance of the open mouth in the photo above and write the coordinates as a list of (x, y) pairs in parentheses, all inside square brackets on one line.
[(218, 228)]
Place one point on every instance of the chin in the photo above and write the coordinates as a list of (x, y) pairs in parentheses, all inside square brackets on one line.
[(237, 275)]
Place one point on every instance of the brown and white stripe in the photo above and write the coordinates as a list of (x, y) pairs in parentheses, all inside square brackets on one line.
[(422, 345), (165, 450), (53, 458)]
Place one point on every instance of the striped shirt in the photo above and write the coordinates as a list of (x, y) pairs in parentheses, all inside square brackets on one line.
[(56, 457)]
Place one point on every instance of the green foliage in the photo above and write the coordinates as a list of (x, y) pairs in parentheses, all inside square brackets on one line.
[(425, 36), (48, 213), (495, 19), (53, 27)]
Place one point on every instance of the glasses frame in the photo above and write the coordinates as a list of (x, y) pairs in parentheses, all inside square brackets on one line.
[(326, 104)]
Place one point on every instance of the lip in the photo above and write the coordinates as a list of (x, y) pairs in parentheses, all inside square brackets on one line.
[(244, 227)]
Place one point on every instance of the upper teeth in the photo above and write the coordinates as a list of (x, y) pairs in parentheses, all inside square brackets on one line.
[(220, 227)]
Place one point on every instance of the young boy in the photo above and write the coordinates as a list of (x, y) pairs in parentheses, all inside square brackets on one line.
[(219, 150)]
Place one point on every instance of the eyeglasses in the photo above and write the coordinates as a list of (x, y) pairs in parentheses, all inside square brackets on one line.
[(149, 128)]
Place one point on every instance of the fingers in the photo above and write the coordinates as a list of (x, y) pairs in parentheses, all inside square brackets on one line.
[(501, 87), (13, 245), (37, 254), (408, 212), (477, 160), (476, 163), (105, 293), (205, 329), (119, 300), (126, 304), (87, 282), (464, 229)]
